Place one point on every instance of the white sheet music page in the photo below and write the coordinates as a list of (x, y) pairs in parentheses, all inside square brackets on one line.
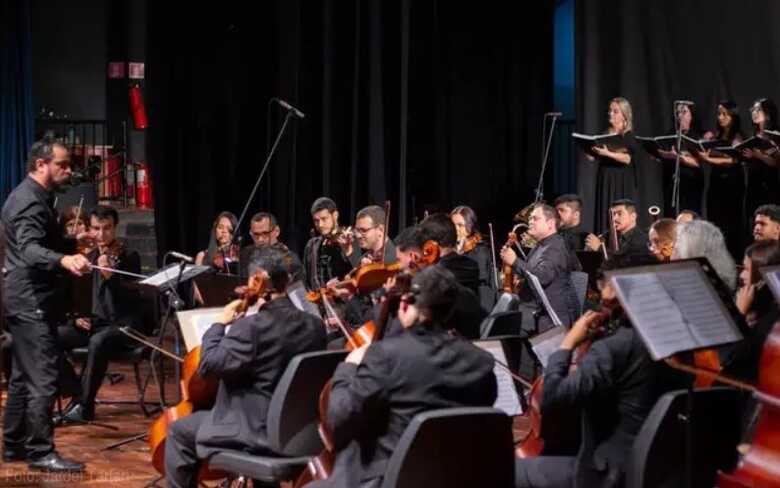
[(507, 400)]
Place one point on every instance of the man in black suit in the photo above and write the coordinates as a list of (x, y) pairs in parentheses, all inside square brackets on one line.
[(114, 304), (616, 381), (551, 262), (631, 238), (569, 208), (381, 387), (248, 360)]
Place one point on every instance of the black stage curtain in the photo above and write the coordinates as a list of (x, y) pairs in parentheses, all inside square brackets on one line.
[(656, 52), (427, 103)]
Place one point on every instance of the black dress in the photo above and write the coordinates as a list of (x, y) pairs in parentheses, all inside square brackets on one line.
[(725, 194), (614, 181), (691, 184), (761, 187)]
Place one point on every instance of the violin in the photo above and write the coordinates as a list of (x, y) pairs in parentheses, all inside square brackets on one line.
[(197, 392), (363, 280), (470, 243), (557, 431), (224, 256), (508, 284)]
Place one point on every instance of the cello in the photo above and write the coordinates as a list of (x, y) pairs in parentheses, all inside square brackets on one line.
[(197, 392)]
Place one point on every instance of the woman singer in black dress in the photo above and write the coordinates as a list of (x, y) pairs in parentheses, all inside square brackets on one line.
[(762, 184), (617, 172), (726, 187)]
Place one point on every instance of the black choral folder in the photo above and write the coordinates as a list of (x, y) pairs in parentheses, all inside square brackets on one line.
[(674, 307), (586, 143)]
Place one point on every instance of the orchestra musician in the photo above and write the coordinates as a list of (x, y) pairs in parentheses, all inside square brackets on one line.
[(687, 216), (73, 221), (661, 239), (700, 238), (471, 244), (380, 387), (114, 305), (631, 238), (247, 373), (726, 186), (616, 383), (324, 257), (551, 262), (221, 253), (33, 255), (264, 230), (372, 239), (766, 223), (569, 208)]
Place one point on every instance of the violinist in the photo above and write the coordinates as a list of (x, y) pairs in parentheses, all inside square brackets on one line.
[(248, 360), (324, 256), (380, 387), (221, 254), (264, 230), (73, 221), (631, 238), (661, 239), (114, 305), (616, 383), (471, 244), (569, 208), (372, 239), (550, 261)]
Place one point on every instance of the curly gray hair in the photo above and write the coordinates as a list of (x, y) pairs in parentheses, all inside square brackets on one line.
[(700, 238)]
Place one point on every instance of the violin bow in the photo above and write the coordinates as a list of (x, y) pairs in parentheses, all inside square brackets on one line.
[(493, 254), (332, 313), (386, 233)]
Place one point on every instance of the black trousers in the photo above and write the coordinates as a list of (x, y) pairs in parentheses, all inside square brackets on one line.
[(102, 344), (545, 472), (181, 461), (32, 388)]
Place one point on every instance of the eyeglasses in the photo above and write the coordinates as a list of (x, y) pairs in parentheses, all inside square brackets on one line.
[(364, 231)]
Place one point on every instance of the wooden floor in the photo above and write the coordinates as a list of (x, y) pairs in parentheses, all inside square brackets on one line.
[(126, 466)]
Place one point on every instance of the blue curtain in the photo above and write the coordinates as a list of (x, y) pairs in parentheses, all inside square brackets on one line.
[(16, 105)]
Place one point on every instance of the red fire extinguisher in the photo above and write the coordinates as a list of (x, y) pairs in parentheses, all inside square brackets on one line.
[(137, 108), (143, 187)]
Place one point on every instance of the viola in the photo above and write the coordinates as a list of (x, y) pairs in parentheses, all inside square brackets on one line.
[(224, 256), (470, 243), (508, 284), (558, 430), (197, 392)]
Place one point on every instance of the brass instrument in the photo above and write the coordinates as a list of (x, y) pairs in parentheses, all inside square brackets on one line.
[(521, 218)]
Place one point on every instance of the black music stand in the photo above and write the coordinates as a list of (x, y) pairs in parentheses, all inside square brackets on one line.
[(217, 289)]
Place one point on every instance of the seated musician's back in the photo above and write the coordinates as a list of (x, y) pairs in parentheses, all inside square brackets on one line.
[(380, 388), (249, 360)]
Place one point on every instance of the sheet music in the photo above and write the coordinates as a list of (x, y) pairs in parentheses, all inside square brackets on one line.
[(171, 274), (547, 343), (195, 323), (674, 308), (297, 294), (506, 400), (539, 291)]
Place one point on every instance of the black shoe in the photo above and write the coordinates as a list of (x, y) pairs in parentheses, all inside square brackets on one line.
[(14, 457), (52, 462), (74, 414)]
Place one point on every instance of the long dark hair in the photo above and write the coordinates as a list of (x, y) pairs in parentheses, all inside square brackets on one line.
[(695, 129), (469, 218), (770, 113), (735, 129), (213, 246)]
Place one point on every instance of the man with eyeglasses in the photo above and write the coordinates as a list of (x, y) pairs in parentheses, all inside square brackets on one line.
[(35, 248), (371, 235), (264, 230)]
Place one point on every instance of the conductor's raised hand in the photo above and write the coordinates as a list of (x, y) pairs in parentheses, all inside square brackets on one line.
[(76, 264)]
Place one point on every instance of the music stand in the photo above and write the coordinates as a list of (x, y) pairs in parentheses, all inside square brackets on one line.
[(217, 289), (677, 307), (771, 276)]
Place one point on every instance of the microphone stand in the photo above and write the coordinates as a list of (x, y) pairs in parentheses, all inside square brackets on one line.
[(236, 231), (676, 181), (540, 185)]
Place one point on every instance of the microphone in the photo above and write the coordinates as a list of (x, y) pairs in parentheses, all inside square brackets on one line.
[(181, 256), (554, 114), (289, 108), (683, 102)]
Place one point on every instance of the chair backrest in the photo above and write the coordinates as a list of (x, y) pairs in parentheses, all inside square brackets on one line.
[(292, 413), (502, 324), (579, 280), (659, 456), (506, 302), (452, 448)]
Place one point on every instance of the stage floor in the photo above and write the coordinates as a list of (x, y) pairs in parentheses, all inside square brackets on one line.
[(126, 466)]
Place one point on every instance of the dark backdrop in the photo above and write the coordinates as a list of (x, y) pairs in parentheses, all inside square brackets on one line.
[(426, 103), (656, 52)]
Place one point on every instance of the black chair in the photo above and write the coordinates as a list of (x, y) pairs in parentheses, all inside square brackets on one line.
[(291, 424), (658, 457), (506, 302), (502, 324), (454, 447), (579, 281)]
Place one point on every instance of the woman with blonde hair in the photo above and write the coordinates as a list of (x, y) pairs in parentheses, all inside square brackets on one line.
[(661, 239), (616, 178)]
